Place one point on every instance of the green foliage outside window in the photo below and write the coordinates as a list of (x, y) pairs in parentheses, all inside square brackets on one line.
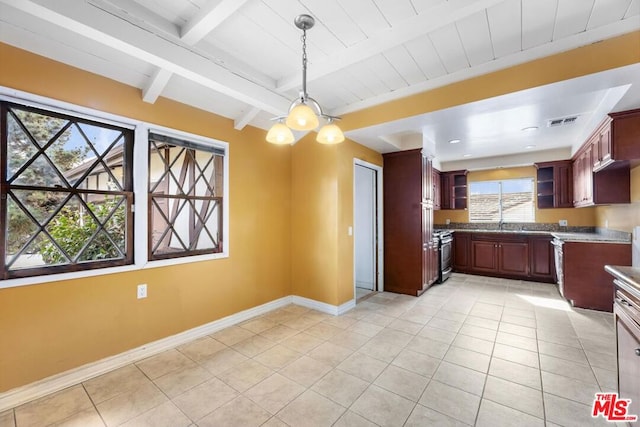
[(73, 229)]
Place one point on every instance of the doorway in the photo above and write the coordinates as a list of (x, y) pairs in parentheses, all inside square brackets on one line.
[(367, 232)]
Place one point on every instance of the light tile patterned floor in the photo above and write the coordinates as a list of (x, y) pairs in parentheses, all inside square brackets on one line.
[(473, 351)]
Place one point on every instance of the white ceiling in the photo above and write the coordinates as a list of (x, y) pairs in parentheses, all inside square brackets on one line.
[(242, 59)]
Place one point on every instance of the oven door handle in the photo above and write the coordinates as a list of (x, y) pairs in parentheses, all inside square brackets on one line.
[(445, 241)]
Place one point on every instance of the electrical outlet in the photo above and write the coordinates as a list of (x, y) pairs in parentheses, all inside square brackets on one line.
[(563, 223), (142, 291), (447, 221)]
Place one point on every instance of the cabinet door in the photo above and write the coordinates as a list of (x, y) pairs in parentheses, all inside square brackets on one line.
[(563, 185), (541, 264), (435, 183), (628, 338), (445, 191), (513, 258), (604, 146), (461, 251), (587, 174), (427, 193), (484, 256), (427, 246)]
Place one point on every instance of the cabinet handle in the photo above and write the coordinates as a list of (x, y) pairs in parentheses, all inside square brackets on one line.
[(624, 302), (637, 351)]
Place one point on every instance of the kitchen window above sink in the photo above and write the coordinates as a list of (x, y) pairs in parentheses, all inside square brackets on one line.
[(505, 201)]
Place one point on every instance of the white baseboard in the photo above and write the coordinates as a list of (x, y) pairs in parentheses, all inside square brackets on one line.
[(27, 393), (323, 306)]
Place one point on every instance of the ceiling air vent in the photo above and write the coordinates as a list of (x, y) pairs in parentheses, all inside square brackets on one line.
[(561, 121)]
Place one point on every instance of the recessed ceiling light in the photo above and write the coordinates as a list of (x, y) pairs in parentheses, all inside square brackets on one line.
[(530, 128), (529, 147), (454, 141), (466, 155)]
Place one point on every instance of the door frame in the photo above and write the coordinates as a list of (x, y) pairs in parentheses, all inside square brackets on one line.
[(379, 224)]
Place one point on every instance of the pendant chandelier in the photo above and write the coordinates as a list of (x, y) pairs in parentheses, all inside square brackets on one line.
[(304, 112)]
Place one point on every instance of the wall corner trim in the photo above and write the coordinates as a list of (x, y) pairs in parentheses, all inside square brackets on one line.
[(29, 392)]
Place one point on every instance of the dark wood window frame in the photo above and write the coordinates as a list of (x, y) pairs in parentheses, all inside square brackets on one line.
[(211, 202), (72, 191)]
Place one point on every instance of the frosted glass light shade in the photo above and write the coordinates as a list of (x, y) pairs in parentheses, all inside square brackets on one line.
[(280, 134), (330, 134), (302, 117)]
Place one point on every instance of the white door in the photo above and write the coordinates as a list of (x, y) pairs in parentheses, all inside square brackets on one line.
[(365, 226)]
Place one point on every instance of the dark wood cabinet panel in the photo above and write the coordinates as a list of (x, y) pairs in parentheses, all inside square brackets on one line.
[(601, 168), (402, 220), (436, 185), (453, 189), (484, 256), (554, 181), (585, 282), (616, 139), (541, 263), (513, 258), (409, 265), (508, 255), (461, 252)]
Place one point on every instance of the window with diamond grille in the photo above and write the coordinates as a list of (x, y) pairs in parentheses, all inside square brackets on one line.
[(185, 197), (66, 193)]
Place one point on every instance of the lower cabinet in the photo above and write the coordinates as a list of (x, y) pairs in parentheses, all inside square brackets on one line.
[(541, 261), (501, 255), (461, 250), (508, 255)]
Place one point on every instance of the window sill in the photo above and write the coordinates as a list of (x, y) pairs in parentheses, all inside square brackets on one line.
[(36, 280)]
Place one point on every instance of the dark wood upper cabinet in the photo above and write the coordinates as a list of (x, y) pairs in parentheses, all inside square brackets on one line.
[(554, 181), (616, 139), (601, 169), (436, 185), (453, 189)]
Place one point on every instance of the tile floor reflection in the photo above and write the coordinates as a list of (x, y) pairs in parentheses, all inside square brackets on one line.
[(472, 351)]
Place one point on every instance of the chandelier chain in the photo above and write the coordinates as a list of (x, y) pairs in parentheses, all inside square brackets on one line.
[(304, 64)]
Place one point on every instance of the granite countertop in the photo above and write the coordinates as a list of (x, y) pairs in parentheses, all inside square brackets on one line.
[(589, 237), (472, 230), (629, 275)]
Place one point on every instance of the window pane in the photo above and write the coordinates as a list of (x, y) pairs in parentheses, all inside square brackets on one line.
[(517, 200), (66, 204), (507, 201), (186, 188), (484, 201)]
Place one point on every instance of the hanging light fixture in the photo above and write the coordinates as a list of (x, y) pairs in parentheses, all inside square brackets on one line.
[(304, 112)]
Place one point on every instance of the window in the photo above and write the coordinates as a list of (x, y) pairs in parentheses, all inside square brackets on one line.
[(502, 201), (67, 193), (186, 187)]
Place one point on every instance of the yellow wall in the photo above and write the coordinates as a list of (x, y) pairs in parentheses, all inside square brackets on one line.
[(48, 328), (314, 220), (574, 216), (322, 211), (623, 217)]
